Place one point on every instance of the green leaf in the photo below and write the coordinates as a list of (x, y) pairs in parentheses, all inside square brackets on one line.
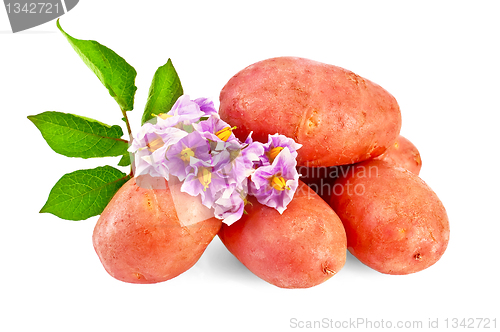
[(76, 136), (84, 193), (165, 89), (125, 160), (111, 69)]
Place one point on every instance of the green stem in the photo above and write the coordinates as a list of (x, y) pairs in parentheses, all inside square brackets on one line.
[(128, 125), (130, 138)]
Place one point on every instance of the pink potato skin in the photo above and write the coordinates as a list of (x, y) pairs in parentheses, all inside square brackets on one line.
[(394, 222), (338, 116), (139, 238), (301, 248), (403, 153)]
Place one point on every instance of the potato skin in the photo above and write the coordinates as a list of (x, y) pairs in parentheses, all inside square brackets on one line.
[(394, 222), (338, 116), (139, 238), (403, 153), (301, 248)]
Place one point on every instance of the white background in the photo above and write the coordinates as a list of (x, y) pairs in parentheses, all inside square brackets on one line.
[(439, 59)]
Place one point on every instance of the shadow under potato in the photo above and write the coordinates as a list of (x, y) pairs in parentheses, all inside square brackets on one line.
[(220, 259), (354, 264)]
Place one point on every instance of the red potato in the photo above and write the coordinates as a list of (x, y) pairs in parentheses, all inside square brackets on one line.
[(403, 153), (301, 248), (141, 238), (394, 222), (338, 116)]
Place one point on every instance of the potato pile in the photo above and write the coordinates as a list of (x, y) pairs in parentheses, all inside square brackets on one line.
[(352, 156), (359, 189)]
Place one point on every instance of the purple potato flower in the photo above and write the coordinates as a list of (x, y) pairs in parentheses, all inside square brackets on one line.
[(149, 146), (192, 143), (217, 131), (206, 106), (241, 160), (239, 165), (277, 143), (202, 180), (230, 203), (254, 151), (274, 185), (178, 155), (183, 112)]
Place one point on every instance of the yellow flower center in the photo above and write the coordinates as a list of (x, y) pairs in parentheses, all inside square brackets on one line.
[(186, 154), (278, 183), (164, 116), (155, 144), (205, 177), (224, 133), (273, 153)]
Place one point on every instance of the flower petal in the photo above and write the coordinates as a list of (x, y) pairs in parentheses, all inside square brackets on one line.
[(261, 187)]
